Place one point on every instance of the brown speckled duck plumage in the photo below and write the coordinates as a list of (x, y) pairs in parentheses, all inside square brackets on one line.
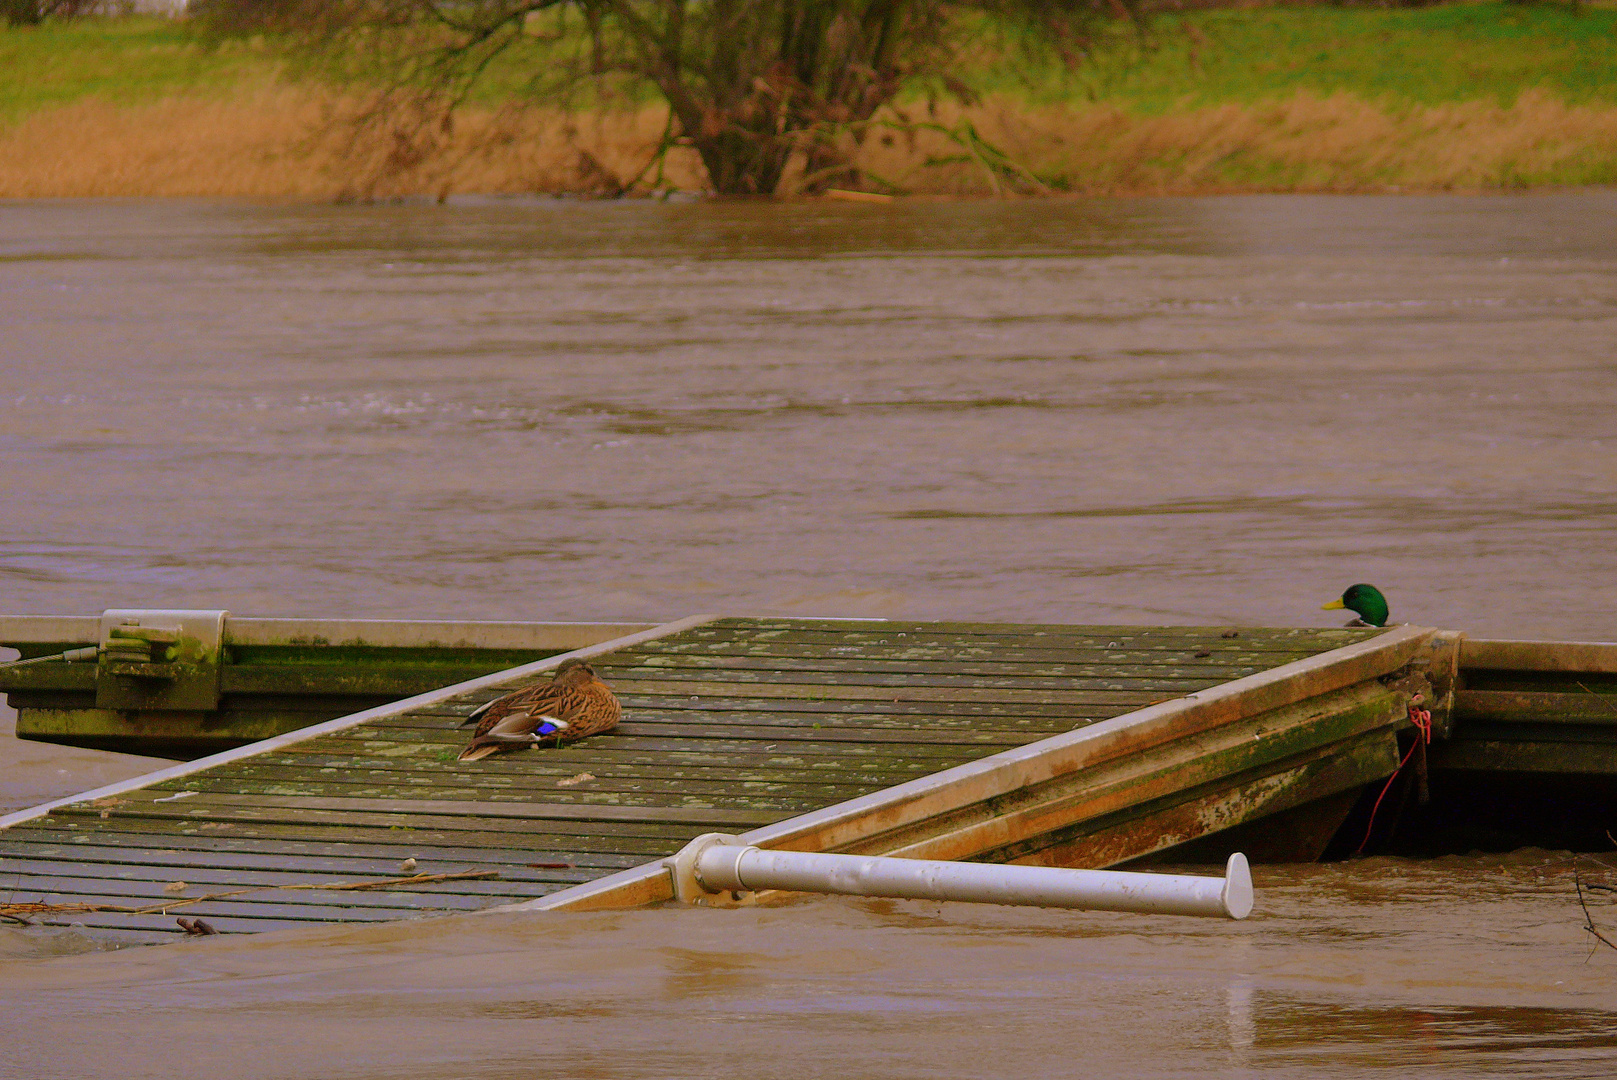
[(574, 701)]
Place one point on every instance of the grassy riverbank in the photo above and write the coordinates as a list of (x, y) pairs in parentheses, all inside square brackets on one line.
[(1470, 96)]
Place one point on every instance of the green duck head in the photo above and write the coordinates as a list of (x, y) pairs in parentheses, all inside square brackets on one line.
[(1366, 600)]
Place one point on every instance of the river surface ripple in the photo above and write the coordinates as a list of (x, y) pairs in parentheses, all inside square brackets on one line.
[(1125, 411)]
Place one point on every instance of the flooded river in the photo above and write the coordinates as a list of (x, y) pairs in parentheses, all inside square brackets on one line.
[(1147, 411)]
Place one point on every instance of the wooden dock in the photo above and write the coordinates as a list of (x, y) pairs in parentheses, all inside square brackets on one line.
[(274, 676), (1056, 745)]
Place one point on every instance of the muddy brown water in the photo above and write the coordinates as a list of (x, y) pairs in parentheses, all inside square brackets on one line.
[(1132, 411)]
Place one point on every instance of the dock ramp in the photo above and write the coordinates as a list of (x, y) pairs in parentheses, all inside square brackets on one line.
[(1057, 745)]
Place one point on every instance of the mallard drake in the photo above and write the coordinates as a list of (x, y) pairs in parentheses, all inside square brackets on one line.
[(571, 706), (1367, 601)]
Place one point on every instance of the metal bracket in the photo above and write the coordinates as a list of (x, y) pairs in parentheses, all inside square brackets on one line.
[(160, 659), (688, 887)]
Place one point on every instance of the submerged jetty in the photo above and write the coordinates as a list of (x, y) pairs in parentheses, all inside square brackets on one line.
[(329, 790)]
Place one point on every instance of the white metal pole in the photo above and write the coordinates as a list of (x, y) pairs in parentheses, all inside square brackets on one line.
[(718, 866)]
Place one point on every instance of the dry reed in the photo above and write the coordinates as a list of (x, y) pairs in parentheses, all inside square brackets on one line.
[(297, 143), (1304, 143)]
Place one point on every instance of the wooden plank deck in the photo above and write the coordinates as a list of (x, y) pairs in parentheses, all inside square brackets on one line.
[(1534, 707), (729, 725)]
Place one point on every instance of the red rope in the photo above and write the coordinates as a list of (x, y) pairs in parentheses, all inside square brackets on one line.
[(1422, 719)]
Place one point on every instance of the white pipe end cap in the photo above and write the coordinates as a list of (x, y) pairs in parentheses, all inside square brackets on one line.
[(1237, 894)]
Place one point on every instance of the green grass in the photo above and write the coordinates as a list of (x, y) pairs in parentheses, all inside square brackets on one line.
[(1455, 52), (122, 60), (1422, 56)]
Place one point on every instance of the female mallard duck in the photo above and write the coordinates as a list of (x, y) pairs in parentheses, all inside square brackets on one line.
[(573, 704), (1367, 601)]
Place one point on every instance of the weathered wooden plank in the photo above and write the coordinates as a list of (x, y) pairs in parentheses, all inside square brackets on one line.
[(762, 625), (555, 637), (324, 854), (875, 691), (1591, 657), (825, 734), (854, 764), (1250, 747), (671, 733), (961, 634), (1010, 652), (539, 766), (211, 910), (674, 721), (252, 825), (707, 732), (895, 706), (1150, 676), (34, 888), (393, 786), (678, 709), (113, 730), (1527, 707), (147, 928), (65, 630), (1189, 814), (442, 832), (393, 680), (480, 811), (51, 675), (811, 685), (495, 844), (202, 879), (758, 809), (614, 790), (1493, 731), (1542, 682), (776, 729), (159, 929), (230, 706), (1563, 758), (381, 740), (542, 776), (318, 825)]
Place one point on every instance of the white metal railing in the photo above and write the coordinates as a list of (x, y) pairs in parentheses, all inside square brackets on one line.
[(716, 863)]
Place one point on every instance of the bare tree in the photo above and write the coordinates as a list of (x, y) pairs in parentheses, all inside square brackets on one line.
[(748, 83)]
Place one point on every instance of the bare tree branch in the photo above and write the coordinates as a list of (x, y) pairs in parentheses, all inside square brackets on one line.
[(1588, 920)]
